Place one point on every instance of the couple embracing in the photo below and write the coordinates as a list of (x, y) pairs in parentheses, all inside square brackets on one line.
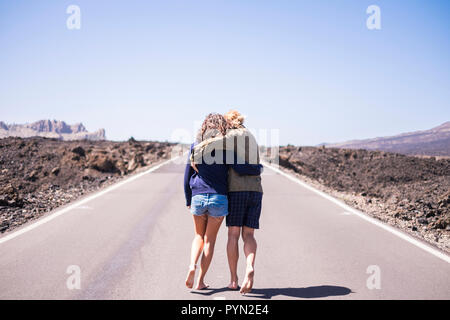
[(222, 180)]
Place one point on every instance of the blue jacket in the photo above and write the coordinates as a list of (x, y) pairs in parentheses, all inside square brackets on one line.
[(213, 178)]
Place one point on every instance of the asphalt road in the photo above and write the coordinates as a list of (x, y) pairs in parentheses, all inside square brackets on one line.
[(133, 242)]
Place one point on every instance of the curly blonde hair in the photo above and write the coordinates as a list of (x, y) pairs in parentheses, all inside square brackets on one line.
[(213, 125), (234, 119)]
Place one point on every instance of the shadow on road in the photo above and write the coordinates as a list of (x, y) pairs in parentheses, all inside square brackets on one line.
[(306, 293)]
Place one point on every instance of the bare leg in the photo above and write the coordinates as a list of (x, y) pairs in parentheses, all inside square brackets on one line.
[(250, 254), (197, 247), (233, 255), (212, 227)]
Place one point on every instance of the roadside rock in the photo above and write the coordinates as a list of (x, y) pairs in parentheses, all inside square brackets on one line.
[(9, 196), (79, 151), (103, 164), (55, 171), (136, 161)]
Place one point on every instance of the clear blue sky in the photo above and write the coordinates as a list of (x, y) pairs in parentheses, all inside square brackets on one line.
[(309, 68)]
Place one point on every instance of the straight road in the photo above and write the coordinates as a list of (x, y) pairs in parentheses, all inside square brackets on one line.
[(133, 242)]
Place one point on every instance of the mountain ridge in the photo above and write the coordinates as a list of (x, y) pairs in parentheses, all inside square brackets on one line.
[(431, 142), (50, 129)]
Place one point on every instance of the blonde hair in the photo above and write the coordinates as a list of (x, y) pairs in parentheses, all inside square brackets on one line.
[(234, 119)]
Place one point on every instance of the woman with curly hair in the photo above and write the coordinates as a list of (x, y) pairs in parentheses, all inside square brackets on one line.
[(206, 196)]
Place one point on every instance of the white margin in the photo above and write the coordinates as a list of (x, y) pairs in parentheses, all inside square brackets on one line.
[(76, 204), (437, 253)]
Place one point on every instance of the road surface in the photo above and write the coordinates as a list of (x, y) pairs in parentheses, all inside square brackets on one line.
[(133, 242)]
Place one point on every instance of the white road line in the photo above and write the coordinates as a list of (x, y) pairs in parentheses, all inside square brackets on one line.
[(364, 216), (77, 204), (84, 208)]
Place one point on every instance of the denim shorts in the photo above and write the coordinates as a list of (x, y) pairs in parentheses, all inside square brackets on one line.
[(212, 204)]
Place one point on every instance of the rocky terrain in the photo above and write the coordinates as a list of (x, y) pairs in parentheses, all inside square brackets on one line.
[(50, 129), (433, 142), (40, 174), (408, 192)]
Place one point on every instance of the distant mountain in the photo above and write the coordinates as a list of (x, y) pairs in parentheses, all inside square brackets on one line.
[(432, 142), (50, 129)]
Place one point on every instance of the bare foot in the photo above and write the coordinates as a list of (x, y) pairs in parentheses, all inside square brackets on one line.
[(233, 284), (201, 286), (190, 277), (247, 285)]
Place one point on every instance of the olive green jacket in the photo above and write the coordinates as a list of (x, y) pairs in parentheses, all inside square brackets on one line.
[(244, 144)]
